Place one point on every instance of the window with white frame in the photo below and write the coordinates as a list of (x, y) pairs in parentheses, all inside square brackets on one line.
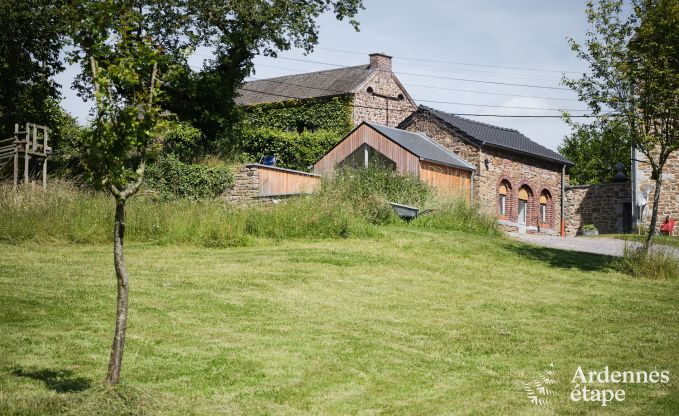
[(502, 202)]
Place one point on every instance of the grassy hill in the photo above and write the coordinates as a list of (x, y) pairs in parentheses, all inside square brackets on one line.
[(416, 321)]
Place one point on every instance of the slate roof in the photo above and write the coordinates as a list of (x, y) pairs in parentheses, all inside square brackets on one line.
[(484, 134), (422, 146), (309, 85)]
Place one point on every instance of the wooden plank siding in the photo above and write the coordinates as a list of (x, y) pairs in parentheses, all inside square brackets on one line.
[(446, 179), (406, 162), (277, 181)]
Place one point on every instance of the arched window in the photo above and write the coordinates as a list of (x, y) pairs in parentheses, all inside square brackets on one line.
[(524, 197), (545, 202), (503, 191)]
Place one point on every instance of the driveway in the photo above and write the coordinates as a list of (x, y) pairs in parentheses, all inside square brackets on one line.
[(598, 245)]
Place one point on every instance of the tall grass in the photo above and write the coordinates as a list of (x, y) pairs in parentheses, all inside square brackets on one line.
[(67, 213), (456, 215), (353, 203), (657, 263)]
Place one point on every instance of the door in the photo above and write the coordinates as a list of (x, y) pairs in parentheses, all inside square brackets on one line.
[(522, 216)]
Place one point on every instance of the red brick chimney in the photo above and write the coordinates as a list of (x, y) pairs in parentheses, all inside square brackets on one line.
[(380, 62)]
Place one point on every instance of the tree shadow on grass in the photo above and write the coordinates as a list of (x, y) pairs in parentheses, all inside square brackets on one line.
[(61, 381), (564, 259)]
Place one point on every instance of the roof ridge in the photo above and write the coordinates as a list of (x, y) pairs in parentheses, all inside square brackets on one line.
[(366, 66), (470, 120)]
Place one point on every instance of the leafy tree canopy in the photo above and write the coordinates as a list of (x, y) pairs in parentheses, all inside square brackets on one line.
[(595, 149), (31, 38)]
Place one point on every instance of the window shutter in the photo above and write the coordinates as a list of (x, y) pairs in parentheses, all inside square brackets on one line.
[(503, 189), (523, 194), (543, 199)]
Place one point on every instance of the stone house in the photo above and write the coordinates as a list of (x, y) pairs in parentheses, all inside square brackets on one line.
[(519, 180), (376, 95)]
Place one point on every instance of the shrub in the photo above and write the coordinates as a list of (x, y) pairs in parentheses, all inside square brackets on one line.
[(184, 142), (657, 263), (173, 178), (293, 150)]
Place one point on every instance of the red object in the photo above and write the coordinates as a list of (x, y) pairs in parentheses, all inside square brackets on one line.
[(668, 227)]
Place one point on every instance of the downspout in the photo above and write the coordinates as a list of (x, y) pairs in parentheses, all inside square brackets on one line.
[(563, 200)]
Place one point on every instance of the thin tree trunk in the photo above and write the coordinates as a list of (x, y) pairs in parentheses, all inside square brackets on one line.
[(115, 363), (654, 213)]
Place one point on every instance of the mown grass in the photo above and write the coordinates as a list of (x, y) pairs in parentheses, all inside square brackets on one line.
[(418, 321)]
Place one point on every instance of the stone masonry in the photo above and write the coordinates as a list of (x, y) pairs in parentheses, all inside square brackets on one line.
[(669, 193), (603, 205), (245, 185), (494, 166), (382, 99)]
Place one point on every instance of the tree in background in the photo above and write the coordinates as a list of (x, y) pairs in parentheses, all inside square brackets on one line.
[(31, 38), (634, 78), (238, 31), (596, 148), (131, 51)]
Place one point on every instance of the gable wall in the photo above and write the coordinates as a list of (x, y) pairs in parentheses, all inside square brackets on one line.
[(406, 162), (367, 107)]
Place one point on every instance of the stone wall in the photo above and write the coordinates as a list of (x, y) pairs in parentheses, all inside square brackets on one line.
[(669, 193), (604, 205), (245, 185), (517, 170)]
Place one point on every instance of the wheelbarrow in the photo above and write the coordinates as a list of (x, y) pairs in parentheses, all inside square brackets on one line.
[(406, 212)]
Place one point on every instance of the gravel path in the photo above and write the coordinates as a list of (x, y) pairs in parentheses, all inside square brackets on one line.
[(599, 245)]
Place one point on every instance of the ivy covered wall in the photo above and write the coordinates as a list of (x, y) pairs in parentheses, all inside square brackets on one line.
[(298, 132)]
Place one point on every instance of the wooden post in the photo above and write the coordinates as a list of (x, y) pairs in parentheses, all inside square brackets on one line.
[(16, 168), (44, 160), (35, 138), (26, 159), (44, 173)]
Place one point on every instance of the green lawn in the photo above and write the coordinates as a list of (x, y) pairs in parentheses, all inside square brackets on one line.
[(415, 322)]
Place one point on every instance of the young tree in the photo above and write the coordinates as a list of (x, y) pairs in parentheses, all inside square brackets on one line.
[(634, 77), (122, 57), (132, 50)]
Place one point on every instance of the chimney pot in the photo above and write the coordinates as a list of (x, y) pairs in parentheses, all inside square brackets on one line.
[(380, 62)]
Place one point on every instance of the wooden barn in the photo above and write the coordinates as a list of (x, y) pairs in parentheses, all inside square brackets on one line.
[(408, 152)]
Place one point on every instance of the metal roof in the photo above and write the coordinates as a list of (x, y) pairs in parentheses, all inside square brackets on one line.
[(484, 134), (317, 84), (422, 146)]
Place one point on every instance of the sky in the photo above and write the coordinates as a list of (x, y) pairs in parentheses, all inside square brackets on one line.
[(498, 41)]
